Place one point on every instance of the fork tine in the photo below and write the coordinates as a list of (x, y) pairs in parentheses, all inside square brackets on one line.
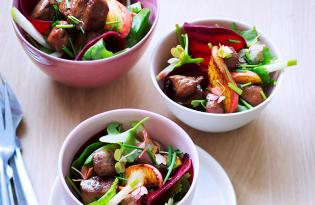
[(1, 102)]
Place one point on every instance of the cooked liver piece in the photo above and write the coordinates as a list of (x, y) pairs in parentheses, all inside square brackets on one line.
[(93, 188), (104, 163), (252, 94), (43, 10), (185, 86), (131, 200), (233, 61), (214, 107), (58, 37), (92, 13)]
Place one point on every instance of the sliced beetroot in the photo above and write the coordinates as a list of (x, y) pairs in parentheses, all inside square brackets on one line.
[(200, 36), (113, 41), (26, 7), (161, 195)]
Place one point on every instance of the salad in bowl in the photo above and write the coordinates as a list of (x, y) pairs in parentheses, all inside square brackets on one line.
[(129, 165), (220, 70), (83, 30)]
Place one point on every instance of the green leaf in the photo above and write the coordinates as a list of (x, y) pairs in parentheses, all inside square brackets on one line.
[(182, 56), (108, 195), (250, 36), (79, 162), (197, 103), (268, 57), (263, 74), (139, 28), (179, 190), (122, 137), (97, 51), (135, 8)]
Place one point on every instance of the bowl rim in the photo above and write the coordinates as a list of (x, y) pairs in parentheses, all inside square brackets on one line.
[(224, 115), (99, 116), (113, 58)]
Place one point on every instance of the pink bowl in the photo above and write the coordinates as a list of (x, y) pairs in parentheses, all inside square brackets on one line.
[(88, 73), (160, 128)]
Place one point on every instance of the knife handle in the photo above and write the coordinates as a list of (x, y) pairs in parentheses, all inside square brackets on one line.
[(23, 186), (4, 197)]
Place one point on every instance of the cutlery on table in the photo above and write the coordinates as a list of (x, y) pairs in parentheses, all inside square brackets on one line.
[(13, 165)]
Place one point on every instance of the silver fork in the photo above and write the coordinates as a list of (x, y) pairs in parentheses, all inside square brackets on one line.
[(7, 144)]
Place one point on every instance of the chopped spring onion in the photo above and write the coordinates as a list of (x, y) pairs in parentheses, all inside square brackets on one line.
[(280, 65), (28, 27), (170, 168), (74, 19), (149, 150), (235, 88), (170, 154), (131, 146), (65, 26), (263, 95), (246, 104), (246, 84), (234, 41)]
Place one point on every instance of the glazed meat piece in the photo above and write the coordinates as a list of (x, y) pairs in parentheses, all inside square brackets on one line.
[(144, 157), (95, 187), (252, 94), (104, 163), (185, 86), (58, 37), (214, 107), (92, 13), (233, 61), (43, 10), (186, 101), (131, 200)]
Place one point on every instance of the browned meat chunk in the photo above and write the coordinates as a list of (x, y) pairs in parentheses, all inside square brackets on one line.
[(214, 107), (185, 86), (58, 37), (131, 200), (43, 10), (92, 13), (186, 101), (95, 187), (104, 163), (253, 95), (233, 61)]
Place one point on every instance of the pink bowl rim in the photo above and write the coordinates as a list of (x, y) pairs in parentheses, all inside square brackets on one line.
[(128, 51), (226, 115), (139, 111)]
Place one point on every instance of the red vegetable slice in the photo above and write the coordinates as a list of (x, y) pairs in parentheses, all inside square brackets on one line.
[(113, 40), (160, 196), (200, 36), (40, 25)]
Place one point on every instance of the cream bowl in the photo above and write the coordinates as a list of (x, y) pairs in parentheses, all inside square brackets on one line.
[(203, 121), (160, 128)]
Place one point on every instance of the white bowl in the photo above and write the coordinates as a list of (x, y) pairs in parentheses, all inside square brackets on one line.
[(203, 121), (160, 128)]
